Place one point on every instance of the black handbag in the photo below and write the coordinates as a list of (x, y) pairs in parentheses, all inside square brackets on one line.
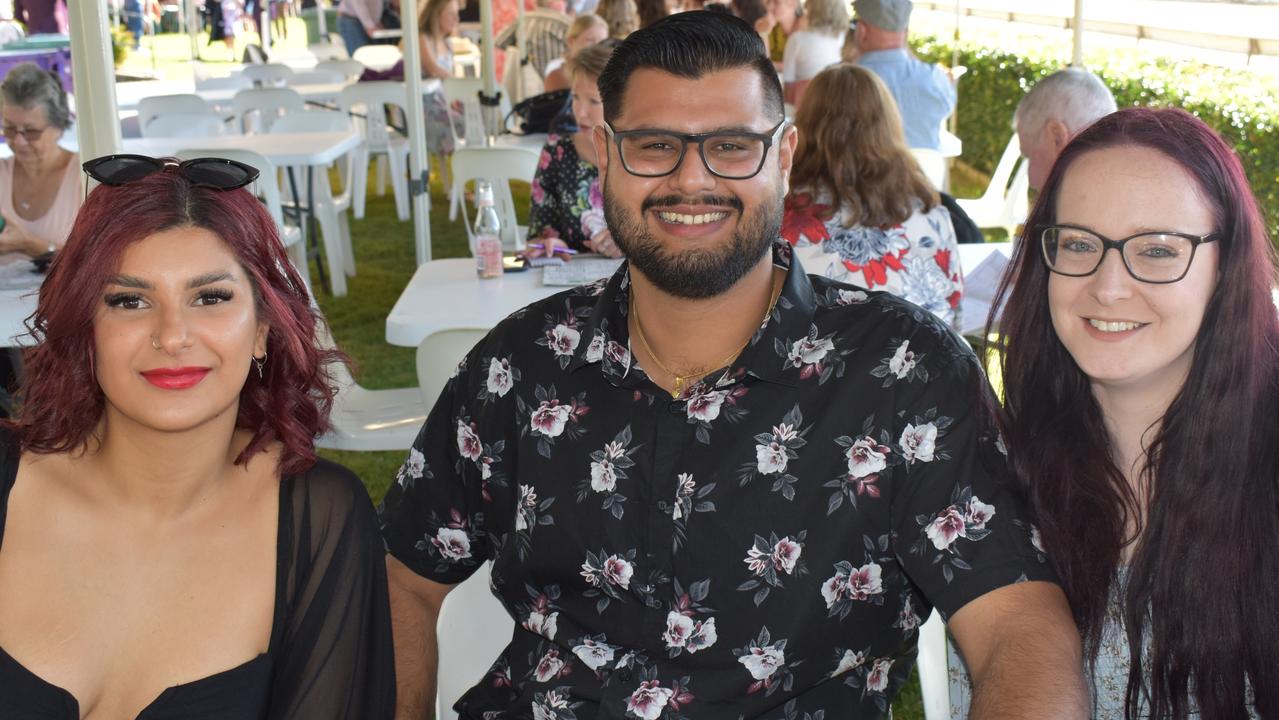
[(535, 114)]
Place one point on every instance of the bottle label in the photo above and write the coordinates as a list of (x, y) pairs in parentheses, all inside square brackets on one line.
[(488, 256)]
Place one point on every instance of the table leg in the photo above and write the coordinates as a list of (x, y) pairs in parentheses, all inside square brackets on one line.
[(311, 238)]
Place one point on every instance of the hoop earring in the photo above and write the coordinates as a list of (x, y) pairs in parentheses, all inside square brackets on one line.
[(260, 363)]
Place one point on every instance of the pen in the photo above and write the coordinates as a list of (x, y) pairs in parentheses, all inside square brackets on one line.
[(566, 251)]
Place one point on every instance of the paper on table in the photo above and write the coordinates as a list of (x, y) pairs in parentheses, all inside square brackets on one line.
[(17, 273), (979, 292), (580, 270)]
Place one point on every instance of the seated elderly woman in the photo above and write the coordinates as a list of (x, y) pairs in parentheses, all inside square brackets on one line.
[(812, 49), (585, 31), (169, 544), (568, 207), (860, 210), (40, 186)]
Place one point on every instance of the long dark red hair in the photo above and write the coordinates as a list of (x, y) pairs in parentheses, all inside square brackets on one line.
[(60, 401), (1201, 601)]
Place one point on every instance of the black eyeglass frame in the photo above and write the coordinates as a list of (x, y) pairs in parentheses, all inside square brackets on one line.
[(1118, 245), (164, 164), (700, 139)]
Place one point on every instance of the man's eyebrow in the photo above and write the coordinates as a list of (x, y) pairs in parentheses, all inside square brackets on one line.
[(131, 281), (723, 129)]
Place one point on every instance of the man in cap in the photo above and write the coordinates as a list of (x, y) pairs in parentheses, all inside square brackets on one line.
[(924, 93), (713, 486)]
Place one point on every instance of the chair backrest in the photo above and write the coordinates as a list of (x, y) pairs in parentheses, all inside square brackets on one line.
[(267, 103), (349, 69), (367, 101), (499, 166), (319, 121), (149, 107), (467, 92), (267, 74), (267, 185), (542, 37), (472, 630), (1003, 171), (230, 82), (184, 125), (438, 355), (314, 77), (328, 51), (378, 57)]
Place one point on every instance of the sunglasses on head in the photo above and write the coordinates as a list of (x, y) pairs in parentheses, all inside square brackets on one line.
[(215, 173)]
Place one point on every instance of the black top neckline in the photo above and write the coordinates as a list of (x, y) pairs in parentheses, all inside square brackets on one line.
[(246, 672)]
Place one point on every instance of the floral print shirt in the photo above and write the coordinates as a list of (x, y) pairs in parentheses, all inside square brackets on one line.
[(566, 198), (917, 260), (765, 547)]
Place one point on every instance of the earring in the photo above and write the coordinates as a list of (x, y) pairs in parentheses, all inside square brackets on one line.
[(260, 363)]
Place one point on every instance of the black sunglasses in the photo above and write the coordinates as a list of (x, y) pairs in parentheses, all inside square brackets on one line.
[(215, 173)]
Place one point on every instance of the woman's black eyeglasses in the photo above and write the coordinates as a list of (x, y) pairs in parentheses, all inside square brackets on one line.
[(215, 173)]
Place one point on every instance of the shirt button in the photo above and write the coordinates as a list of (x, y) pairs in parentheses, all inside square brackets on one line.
[(624, 674)]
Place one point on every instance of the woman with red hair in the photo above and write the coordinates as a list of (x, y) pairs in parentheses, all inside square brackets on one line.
[(1141, 374), (169, 543)]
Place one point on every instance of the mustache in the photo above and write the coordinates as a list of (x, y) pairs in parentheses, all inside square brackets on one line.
[(674, 200)]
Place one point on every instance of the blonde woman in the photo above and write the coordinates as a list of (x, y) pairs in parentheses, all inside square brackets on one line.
[(812, 49), (585, 31), (860, 210), (621, 15)]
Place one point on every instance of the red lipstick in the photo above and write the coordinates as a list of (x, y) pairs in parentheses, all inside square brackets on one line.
[(175, 378)]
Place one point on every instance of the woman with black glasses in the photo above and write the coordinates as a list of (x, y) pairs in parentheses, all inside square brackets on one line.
[(40, 186), (170, 546), (1141, 373)]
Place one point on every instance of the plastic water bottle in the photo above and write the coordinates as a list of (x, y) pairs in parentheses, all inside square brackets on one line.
[(488, 233)]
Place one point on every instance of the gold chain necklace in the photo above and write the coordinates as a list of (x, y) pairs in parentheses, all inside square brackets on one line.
[(680, 380)]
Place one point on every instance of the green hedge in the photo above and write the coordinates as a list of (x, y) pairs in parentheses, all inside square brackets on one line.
[(1243, 106)]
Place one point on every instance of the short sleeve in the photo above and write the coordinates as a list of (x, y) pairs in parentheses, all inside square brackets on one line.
[(332, 642), (960, 528), (434, 516)]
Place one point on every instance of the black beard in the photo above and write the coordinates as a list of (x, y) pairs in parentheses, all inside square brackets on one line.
[(702, 272)]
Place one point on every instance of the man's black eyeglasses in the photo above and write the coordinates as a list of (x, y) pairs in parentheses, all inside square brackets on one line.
[(215, 173), (729, 154)]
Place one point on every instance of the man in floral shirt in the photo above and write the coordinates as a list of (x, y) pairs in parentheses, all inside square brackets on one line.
[(713, 486)]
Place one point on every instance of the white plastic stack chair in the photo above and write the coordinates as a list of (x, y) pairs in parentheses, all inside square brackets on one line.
[(184, 125), (150, 107), (329, 208), (267, 74), (371, 420), (438, 355), (229, 82), (314, 77), (378, 57), (540, 36), (256, 109), (267, 188), (1006, 201), (367, 102), (498, 165), (323, 51), (348, 68), (466, 92), (472, 630)]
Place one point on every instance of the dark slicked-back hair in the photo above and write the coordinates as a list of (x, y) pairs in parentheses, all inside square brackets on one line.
[(690, 45)]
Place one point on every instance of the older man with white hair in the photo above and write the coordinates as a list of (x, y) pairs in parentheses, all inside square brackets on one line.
[(1054, 111)]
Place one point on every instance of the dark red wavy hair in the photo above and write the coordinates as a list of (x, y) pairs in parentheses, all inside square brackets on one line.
[(60, 402), (1200, 603)]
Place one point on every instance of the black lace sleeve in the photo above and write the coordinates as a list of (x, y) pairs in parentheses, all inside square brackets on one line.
[(332, 640)]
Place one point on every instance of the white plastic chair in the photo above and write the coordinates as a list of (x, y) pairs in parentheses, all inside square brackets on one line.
[(378, 57), (328, 51), (438, 355), (370, 99), (267, 103), (934, 681), (472, 630), (184, 125), (150, 107), (229, 82), (370, 420), (267, 74), (329, 208), (1006, 200), (933, 165), (314, 77), (499, 166), (268, 189), (540, 36), (348, 68)]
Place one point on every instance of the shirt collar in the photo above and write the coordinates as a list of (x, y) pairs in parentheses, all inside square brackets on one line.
[(605, 337), (888, 54)]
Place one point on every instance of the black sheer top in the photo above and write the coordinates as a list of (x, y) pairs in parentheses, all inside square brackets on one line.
[(330, 655)]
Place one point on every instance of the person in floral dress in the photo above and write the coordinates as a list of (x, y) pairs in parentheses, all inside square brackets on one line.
[(1141, 402), (567, 205), (860, 210), (713, 486)]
